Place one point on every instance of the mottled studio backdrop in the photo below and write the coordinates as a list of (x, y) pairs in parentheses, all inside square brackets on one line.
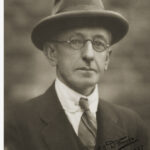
[(28, 74)]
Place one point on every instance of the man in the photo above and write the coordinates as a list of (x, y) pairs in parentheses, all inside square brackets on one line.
[(70, 115)]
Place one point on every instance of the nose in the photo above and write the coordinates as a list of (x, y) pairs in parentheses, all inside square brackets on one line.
[(88, 52)]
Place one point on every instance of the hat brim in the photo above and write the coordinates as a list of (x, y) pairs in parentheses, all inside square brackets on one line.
[(51, 25)]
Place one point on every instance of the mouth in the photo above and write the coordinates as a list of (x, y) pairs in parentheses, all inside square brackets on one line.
[(87, 69)]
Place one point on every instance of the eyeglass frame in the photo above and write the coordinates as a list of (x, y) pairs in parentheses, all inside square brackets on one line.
[(83, 44)]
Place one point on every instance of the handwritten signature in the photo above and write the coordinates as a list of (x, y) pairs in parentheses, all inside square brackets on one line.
[(120, 144)]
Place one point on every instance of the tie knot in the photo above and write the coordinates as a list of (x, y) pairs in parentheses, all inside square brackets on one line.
[(84, 104)]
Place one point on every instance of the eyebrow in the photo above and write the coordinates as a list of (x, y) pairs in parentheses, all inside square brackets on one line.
[(76, 33), (97, 35)]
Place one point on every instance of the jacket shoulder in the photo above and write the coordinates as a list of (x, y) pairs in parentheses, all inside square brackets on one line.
[(121, 112), (128, 120), (125, 116)]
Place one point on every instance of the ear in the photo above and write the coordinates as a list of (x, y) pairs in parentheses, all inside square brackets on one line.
[(50, 52), (109, 51)]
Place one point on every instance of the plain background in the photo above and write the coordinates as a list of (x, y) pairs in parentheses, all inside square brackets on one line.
[(1, 74), (28, 74)]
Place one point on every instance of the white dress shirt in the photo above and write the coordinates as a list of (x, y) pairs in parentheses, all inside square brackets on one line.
[(69, 100)]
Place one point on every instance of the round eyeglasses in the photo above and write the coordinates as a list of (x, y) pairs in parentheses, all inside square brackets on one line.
[(77, 44)]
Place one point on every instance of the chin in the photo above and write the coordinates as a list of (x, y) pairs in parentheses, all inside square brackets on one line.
[(87, 82), (85, 88)]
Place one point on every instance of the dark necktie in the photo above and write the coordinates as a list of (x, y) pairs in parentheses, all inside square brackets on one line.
[(88, 126)]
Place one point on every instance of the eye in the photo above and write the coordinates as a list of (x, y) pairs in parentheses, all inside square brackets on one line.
[(98, 43), (76, 41)]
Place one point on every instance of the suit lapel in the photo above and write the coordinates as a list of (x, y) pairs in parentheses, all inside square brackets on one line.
[(57, 132)]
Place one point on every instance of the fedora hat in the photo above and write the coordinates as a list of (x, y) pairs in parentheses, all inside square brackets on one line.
[(66, 14)]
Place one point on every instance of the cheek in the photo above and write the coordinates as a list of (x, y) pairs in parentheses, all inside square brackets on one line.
[(66, 61), (100, 60)]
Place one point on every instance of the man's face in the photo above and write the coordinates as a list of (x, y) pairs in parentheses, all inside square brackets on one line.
[(81, 68)]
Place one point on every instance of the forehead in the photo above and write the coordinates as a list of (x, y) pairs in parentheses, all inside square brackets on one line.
[(87, 32)]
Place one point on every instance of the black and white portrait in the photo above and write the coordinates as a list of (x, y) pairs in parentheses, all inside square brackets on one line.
[(77, 75)]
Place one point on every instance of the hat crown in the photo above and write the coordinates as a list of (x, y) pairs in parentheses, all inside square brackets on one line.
[(61, 6), (67, 14)]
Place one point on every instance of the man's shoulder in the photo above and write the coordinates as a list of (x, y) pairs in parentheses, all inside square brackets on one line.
[(26, 110), (116, 109), (34, 102), (34, 106), (41, 100), (123, 115), (126, 118)]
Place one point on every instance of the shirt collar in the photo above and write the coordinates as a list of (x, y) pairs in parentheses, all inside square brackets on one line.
[(70, 98)]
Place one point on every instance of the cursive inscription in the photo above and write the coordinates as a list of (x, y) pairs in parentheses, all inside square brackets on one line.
[(120, 144)]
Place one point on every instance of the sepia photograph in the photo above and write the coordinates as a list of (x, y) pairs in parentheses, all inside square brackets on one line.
[(76, 75)]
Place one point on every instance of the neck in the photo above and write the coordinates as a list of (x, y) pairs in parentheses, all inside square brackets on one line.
[(85, 91)]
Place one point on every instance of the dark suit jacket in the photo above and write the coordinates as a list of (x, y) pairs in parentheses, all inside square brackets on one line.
[(41, 124)]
